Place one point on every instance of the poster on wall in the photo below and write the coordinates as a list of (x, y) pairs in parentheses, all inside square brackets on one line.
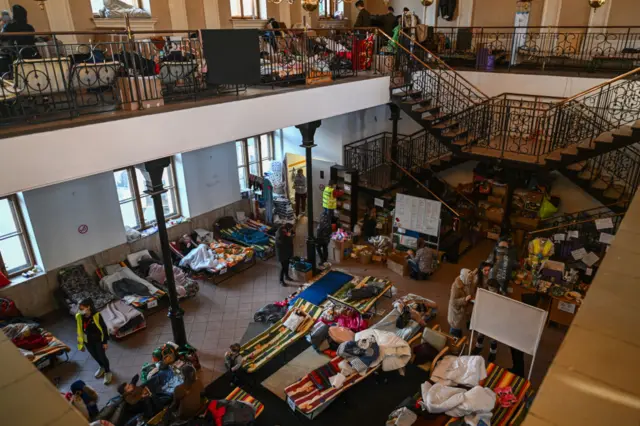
[(418, 214)]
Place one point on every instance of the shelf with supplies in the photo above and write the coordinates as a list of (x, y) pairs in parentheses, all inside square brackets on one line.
[(347, 204)]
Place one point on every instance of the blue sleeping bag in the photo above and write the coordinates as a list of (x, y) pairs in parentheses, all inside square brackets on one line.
[(250, 237), (317, 292)]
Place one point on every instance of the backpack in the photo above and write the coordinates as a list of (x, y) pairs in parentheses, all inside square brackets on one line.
[(8, 309)]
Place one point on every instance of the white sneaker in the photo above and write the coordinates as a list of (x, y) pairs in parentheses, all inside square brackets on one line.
[(107, 378), (99, 373)]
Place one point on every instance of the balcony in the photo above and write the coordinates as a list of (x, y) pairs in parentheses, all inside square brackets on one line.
[(127, 101), (606, 51)]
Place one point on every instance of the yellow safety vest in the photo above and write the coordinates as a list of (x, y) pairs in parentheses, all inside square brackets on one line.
[(80, 330), (328, 200)]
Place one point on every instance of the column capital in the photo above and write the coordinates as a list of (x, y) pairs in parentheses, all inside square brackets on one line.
[(308, 131), (152, 172)]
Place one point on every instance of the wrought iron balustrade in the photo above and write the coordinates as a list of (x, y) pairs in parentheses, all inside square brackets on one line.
[(612, 49)]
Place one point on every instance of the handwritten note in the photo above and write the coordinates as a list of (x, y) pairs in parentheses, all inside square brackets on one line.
[(590, 259), (606, 238), (579, 254), (605, 223)]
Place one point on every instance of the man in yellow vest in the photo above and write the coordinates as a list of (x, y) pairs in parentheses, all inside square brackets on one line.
[(330, 198)]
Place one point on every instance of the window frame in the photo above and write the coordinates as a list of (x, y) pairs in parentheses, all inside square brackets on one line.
[(330, 6), (245, 164), (256, 6), (136, 196), (20, 232)]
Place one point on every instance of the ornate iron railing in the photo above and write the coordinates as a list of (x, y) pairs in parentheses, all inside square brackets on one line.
[(611, 49)]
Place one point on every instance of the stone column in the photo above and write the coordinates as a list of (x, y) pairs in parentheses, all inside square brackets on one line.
[(211, 14), (152, 172), (600, 17), (178, 12), (308, 131), (550, 18), (60, 19)]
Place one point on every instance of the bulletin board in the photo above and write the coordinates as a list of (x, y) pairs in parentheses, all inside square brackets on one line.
[(509, 321), (418, 214)]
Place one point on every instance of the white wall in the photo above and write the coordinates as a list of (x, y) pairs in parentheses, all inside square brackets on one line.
[(211, 178), (56, 212), (496, 83), (76, 152), (335, 132)]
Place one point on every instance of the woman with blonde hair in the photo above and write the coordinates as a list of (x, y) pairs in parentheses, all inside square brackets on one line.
[(461, 295)]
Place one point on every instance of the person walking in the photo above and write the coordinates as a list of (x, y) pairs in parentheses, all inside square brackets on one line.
[(323, 237), (284, 250), (461, 295), (300, 186), (93, 336)]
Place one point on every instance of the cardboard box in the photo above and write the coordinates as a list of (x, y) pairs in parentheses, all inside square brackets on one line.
[(365, 258), (149, 89), (398, 268), (303, 277), (398, 257), (562, 311), (339, 250)]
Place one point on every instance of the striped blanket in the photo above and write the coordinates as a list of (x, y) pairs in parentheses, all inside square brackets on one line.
[(54, 346), (268, 344), (239, 395), (362, 306), (498, 377), (307, 398)]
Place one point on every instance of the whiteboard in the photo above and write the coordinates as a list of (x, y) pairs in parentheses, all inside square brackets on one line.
[(513, 323), (418, 214)]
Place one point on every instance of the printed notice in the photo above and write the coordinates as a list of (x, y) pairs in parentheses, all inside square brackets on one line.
[(605, 223), (590, 259), (559, 237), (567, 307), (573, 234), (378, 202), (579, 254), (606, 238)]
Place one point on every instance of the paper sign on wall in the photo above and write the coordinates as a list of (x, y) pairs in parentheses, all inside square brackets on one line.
[(573, 234), (606, 238), (567, 307), (590, 259), (605, 223), (579, 254), (559, 237), (378, 202)]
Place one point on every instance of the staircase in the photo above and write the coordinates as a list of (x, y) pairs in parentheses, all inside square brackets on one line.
[(527, 131)]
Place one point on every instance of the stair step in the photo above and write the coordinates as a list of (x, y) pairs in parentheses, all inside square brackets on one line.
[(452, 134), (636, 125), (570, 150), (428, 108), (414, 101), (624, 131), (434, 117), (446, 124), (554, 155), (586, 174), (577, 167), (613, 193), (606, 137), (599, 184)]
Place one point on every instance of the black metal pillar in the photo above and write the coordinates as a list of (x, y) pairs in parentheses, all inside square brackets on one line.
[(152, 172), (308, 131), (512, 182), (395, 117)]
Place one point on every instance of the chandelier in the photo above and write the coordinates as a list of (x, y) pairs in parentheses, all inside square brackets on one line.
[(41, 3), (596, 3)]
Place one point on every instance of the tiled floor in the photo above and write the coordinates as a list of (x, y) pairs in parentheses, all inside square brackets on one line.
[(218, 316)]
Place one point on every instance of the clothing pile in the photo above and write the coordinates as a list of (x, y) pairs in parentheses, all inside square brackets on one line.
[(341, 235), (27, 336), (283, 210), (344, 317), (185, 286), (217, 256), (360, 354)]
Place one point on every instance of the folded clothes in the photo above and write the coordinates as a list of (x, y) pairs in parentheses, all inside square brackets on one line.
[(321, 376)]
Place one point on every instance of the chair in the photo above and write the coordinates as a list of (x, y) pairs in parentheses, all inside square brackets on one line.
[(444, 343)]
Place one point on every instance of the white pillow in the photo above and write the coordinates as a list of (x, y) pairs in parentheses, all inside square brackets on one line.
[(294, 321), (134, 258)]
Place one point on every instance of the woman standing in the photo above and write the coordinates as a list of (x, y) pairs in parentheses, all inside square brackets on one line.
[(461, 295), (93, 335), (284, 250)]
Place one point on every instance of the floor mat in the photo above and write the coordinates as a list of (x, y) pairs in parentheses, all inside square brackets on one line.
[(253, 329), (295, 369), (317, 292)]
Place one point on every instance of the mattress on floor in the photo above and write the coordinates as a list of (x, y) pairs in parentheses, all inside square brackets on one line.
[(111, 274), (267, 345), (318, 292), (122, 319), (239, 395), (363, 305), (234, 256)]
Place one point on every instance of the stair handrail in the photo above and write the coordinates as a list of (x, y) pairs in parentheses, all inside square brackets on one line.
[(565, 225), (405, 171), (581, 211), (420, 61), (596, 88), (443, 63)]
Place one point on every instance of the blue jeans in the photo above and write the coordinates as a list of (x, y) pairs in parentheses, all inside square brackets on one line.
[(456, 332)]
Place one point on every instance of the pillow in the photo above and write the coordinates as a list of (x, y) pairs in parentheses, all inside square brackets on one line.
[(341, 334), (293, 321), (134, 258), (434, 338)]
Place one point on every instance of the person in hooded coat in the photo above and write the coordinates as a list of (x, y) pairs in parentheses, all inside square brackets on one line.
[(323, 236), (25, 45), (284, 250), (461, 295)]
